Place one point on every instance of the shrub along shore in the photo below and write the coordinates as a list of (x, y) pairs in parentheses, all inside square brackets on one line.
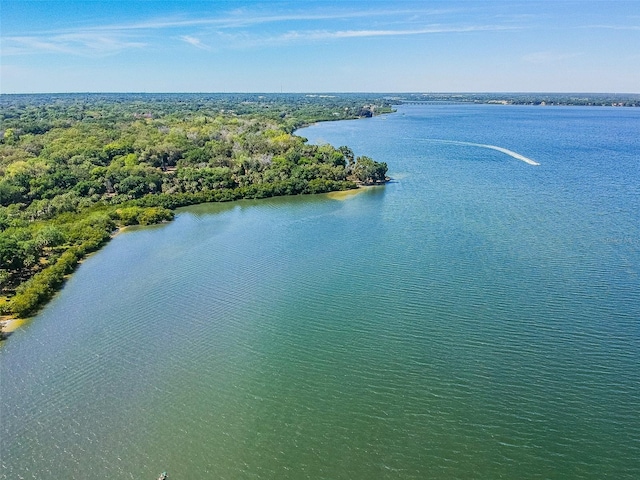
[(75, 168)]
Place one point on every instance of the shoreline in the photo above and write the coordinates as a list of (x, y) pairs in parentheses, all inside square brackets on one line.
[(10, 325), (10, 321)]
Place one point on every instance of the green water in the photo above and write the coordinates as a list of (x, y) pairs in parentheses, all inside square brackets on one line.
[(476, 318)]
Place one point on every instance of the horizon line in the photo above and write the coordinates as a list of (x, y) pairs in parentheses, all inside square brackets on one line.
[(316, 92)]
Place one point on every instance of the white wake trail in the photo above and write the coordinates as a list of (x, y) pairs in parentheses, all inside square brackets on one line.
[(492, 147), (508, 152)]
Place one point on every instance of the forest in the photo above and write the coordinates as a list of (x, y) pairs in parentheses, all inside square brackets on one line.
[(76, 167)]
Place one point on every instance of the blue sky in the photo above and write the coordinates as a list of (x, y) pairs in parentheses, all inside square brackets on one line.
[(320, 46)]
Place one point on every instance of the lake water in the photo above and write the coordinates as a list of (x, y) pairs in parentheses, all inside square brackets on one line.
[(478, 317)]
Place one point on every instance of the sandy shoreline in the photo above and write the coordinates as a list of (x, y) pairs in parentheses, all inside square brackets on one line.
[(343, 194), (11, 324)]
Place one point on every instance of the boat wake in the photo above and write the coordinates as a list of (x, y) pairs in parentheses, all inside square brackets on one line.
[(491, 147)]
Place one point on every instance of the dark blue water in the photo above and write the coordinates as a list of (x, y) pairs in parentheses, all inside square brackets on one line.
[(478, 317)]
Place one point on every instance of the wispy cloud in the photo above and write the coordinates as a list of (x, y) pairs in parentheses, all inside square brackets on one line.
[(613, 27), (234, 28), (244, 18), (323, 34), (196, 42), (87, 44)]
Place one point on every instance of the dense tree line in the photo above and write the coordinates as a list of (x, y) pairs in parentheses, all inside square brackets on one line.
[(73, 168)]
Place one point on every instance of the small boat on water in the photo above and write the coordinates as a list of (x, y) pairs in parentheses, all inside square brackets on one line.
[(163, 476)]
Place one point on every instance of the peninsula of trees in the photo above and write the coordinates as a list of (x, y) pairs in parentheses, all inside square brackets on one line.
[(74, 168)]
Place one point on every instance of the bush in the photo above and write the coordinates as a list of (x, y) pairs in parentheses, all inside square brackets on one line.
[(128, 215), (42, 286), (152, 215)]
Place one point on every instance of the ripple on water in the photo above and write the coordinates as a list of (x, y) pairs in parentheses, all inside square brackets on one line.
[(467, 320)]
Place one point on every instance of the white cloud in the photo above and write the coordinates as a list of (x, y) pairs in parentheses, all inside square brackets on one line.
[(614, 27), (78, 43), (243, 18), (232, 28), (339, 34), (196, 42)]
